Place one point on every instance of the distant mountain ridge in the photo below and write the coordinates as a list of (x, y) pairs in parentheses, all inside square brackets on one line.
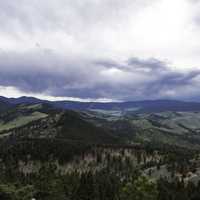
[(135, 106)]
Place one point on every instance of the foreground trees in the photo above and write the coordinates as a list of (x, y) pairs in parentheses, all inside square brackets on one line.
[(140, 189), (99, 185), (95, 173)]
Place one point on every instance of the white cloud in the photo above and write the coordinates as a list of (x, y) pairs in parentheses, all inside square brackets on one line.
[(162, 29), (12, 92)]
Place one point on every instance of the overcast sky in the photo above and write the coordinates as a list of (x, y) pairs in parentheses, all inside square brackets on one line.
[(100, 50)]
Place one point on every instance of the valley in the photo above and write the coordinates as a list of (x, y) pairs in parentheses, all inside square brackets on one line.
[(48, 152)]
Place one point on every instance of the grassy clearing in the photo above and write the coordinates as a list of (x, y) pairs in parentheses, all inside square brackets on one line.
[(21, 120)]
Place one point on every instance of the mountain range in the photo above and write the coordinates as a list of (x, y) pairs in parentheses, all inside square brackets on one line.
[(146, 106), (159, 121)]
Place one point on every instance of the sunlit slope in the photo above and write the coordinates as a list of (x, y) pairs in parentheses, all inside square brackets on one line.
[(21, 115), (179, 128), (177, 122)]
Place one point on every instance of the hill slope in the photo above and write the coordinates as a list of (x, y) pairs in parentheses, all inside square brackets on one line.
[(44, 121)]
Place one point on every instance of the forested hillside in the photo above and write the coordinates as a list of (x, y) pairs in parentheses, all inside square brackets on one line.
[(55, 154)]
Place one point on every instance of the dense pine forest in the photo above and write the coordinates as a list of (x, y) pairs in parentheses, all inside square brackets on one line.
[(32, 170), (48, 153)]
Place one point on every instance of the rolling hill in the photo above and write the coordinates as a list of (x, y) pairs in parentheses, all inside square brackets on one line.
[(43, 121), (163, 121)]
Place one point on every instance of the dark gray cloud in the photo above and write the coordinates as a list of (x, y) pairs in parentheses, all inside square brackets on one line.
[(151, 63), (46, 72)]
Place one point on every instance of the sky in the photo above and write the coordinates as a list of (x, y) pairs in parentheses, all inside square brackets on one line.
[(100, 50)]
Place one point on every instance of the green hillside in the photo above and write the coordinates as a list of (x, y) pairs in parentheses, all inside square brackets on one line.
[(20, 115), (180, 128), (48, 153)]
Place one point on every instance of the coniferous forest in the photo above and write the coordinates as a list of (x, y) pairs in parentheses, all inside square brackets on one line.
[(48, 153)]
